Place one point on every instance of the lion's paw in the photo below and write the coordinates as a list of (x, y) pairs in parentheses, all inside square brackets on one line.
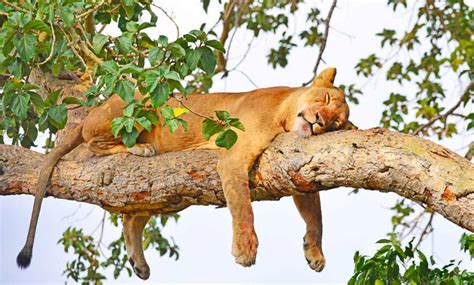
[(314, 257), (244, 248), (143, 149), (143, 271)]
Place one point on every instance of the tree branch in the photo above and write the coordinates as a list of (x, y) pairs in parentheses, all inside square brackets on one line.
[(465, 94), (323, 41), (374, 159)]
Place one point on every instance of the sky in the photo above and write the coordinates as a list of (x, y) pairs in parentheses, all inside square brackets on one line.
[(351, 222)]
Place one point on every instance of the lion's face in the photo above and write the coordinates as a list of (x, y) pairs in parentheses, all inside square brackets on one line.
[(321, 109)]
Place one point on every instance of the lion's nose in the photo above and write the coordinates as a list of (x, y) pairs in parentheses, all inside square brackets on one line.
[(319, 120)]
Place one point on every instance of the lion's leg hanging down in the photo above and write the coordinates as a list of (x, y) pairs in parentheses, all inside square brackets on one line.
[(234, 177), (133, 226), (309, 206)]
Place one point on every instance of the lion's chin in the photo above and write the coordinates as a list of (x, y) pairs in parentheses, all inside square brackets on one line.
[(302, 128)]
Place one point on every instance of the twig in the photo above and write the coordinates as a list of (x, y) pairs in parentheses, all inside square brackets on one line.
[(323, 41), (52, 46), (248, 78), (244, 56), (169, 17), (72, 46), (95, 8), (465, 94), (427, 229), (179, 98), (14, 7)]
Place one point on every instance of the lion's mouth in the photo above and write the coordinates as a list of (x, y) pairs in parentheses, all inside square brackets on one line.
[(312, 126)]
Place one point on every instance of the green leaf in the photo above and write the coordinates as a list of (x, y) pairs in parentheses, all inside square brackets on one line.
[(145, 25), (177, 50), (173, 75), (156, 54), (210, 128), (234, 122), (167, 113), (131, 68), (226, 139), (124, 44), (37, 25), (19, 105), (205, 4), (172, 125), (26, 46), (117, 125), (145, 123), (193, 57), (57, 116), (67, 15), (223, 115), (128, 111), (125, 89), (163, 40), (152, 80), (129, 124), (37, 102), (215, 44), (53, 97), (129, 138), (132, 27), (110, 67), (207, 60), (71, 101), (160, 95), (99, 42)]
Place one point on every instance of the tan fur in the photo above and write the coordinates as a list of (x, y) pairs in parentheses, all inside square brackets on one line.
[(265, 113)]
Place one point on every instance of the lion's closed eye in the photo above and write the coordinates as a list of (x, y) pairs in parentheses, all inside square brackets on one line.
[(327, 99)]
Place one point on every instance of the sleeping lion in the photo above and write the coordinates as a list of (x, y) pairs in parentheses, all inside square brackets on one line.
[(264, 112)]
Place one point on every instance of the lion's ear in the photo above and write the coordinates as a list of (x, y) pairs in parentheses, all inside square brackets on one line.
[(325, 78)]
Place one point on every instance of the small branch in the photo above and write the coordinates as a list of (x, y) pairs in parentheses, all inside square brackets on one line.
[(14, 7), (465, 95), (426, 230), (248, 77), (323, 42), (92, 10), (53, 44), (179, 98), (169, 17)]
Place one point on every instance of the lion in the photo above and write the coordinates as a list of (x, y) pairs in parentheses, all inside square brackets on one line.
[(264, 112)]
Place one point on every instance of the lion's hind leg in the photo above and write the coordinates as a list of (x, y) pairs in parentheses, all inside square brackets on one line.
[(133, 226), (309, 206), (107, 146)]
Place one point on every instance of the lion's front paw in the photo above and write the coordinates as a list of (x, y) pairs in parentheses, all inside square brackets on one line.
[(143, 149), (314, 256), (244, 247)]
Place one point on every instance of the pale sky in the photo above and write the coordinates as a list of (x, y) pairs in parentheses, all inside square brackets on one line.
[(351, 222)]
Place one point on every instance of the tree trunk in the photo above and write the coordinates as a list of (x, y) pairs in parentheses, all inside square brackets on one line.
[(374, 159)]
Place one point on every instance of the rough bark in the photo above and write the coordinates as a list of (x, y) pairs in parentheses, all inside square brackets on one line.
[(374, 159)]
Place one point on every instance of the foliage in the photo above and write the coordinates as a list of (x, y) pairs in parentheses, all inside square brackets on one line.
[(392, 264), (54, 36), (91, 261)]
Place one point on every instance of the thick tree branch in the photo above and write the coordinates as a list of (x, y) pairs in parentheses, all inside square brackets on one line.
[(374, 159)]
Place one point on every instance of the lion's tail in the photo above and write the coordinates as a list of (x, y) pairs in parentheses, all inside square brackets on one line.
[(71, 141)]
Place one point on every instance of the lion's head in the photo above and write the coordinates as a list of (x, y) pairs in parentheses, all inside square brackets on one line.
[(322, 107)]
